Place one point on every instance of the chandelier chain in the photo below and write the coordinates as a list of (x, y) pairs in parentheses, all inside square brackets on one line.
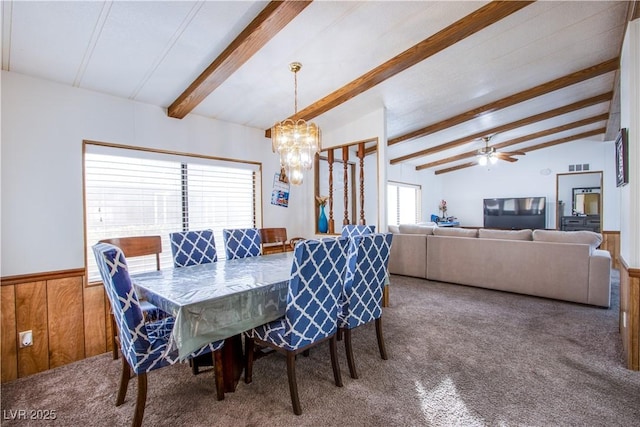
[(295, 93)]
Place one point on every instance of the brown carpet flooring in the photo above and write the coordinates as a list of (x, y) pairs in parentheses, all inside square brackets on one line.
[(458, 356)]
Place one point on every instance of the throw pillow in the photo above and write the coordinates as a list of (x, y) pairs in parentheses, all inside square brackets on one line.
[(415, 229), (582, 237)]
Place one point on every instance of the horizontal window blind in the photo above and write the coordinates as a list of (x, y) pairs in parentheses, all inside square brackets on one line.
[(132, 194), (230, 203)]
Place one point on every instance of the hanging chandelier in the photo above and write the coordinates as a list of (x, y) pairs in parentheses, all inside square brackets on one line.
[(295, 140)]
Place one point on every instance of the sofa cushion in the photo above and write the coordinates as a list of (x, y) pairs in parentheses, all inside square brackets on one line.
[(408, 255), (505, 234), (581, 237), (394, 229), (455, 232), (415, 229)]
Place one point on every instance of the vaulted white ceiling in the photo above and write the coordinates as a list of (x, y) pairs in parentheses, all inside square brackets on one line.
[(151, 51)]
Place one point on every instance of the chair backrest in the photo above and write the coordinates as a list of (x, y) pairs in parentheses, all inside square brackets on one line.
[(241, 242), (136, 246), (134, 341), (314, 290), (366, 272), (273, 240), (357, 230), (193, 247)]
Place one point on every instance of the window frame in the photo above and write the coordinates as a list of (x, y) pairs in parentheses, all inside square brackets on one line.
[(418, 201), (183, 159)]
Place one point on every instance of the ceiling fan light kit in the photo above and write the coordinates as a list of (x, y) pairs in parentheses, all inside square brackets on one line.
[(489, 155), (488, 158)]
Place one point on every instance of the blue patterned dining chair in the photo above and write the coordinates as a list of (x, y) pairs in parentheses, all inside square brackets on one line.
[(366, 271), (131, 247), (193, 247), (144, 346), (351, 230), (241, 242), (311, 314)]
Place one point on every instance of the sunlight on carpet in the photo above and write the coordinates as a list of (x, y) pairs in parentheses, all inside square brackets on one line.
[(443, 406)]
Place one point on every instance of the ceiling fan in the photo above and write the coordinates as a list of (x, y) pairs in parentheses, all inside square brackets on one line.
[(489, 154)]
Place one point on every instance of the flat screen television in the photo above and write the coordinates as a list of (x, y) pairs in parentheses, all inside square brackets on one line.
[(515, 213)]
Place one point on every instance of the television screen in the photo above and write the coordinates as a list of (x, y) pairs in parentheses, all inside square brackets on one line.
[(515, 213)]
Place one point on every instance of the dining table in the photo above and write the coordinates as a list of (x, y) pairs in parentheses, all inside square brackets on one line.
[(219, 301)]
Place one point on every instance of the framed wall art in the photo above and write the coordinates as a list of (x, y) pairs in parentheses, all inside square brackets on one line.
[(622, 158)]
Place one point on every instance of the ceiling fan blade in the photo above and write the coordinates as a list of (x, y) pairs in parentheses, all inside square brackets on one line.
[(508, 159)]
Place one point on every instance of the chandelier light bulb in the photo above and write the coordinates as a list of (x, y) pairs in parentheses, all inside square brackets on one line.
[(493, 160), (295, 176), (482, 161), (304, 158)]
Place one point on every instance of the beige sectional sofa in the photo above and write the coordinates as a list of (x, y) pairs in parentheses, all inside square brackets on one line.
[(564, 265)]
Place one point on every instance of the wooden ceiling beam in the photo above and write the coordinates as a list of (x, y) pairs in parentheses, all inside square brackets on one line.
[(273, 18), (509, 126), (459, 30), (455, 168), (519, 140), (544, 88), (605, 97), (567, 139), (532, 148), (557, 129)]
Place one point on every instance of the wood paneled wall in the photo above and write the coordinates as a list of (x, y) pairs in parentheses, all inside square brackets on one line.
[(611, 243), (630, 314), (67, 318)]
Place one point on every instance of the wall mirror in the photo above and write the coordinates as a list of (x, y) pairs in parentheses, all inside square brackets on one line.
[(578, 193), (586, 201), (347, 177)]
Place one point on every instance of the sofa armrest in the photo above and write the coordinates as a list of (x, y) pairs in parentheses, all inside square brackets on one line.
[(600, 278), (408, 256)]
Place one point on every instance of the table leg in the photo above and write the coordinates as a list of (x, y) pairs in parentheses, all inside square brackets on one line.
[(232, 362)]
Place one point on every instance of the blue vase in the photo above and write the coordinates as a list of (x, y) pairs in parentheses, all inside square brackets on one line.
[(323, 225)]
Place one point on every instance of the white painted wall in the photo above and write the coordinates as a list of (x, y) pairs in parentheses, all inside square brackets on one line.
[(611, 201), (464, 190), (43, 126), (630, 119)]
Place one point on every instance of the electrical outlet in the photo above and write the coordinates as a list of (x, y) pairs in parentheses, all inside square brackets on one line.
[(26, 339)]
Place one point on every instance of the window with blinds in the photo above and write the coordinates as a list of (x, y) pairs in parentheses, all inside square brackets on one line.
[(403, 203), (131, 192)]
